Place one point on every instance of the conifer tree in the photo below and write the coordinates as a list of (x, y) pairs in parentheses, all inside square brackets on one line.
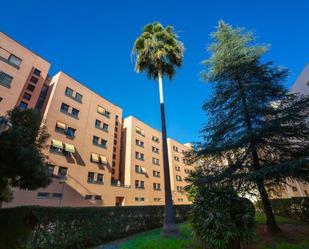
[(257, 134)]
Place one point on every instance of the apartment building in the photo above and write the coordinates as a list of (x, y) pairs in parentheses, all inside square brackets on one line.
[(142, 162), (22, 75), (179, 170), (84, 147)]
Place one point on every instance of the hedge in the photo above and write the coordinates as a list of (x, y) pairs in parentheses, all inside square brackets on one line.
[(51, 227), (295, 208)]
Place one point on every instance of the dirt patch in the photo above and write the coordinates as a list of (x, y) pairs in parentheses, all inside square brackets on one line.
[(291, 233)]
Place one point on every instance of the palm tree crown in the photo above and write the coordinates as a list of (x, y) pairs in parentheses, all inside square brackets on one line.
[(158, 49)]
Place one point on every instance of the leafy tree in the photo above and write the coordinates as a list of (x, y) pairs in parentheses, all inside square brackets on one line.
[(22, 162), (158, 53), (257, 133), (220, 218)]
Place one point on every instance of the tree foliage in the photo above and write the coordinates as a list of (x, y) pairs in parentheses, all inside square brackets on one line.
[(158, 48), (22, 162), (220, 218), (257, 132)]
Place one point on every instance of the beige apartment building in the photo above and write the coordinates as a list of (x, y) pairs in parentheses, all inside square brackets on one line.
[(22, 75), (179, 170), (143, 163)]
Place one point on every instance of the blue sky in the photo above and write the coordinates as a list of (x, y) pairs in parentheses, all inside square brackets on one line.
[(92, 41)]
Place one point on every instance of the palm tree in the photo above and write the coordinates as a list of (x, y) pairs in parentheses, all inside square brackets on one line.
[(159, 52)]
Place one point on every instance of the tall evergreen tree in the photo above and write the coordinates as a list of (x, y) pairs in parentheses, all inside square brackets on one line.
[(257, 133), (22, 162), (158, 53)]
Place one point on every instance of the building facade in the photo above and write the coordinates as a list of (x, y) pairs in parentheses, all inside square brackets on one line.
[(22, 75), (301, 84)]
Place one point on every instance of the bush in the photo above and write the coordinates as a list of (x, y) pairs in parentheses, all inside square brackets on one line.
[(52, 227), (295, 208), (221, 219)]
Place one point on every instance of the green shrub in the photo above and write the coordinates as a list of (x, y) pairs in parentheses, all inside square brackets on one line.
[(295, 208), (51, 227), (221, 219)]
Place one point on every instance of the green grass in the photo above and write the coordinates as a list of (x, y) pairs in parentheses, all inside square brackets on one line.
[(261, 220), (153, 240)]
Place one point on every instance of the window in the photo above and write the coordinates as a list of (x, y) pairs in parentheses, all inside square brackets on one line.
[(156, 173), (15, 61), (180, 199), (105, 127), (176, 158), (140, 131), (57, 195), (294, 189), (23, 105), (100, 178), (100, 125), (103, 111), (98, 197), (88, 197), (70, 132), (27, 96), (139, 143), (179, 188), (37, 72), (75, 112), (155, 139), (90, 177), (139, 156), (155, 149), (178, 178), (43, 195), (175, 148), (5, 79), (139, 184), (99, 141), (156, 186), (30, 87), (64, 108), (78, 97), (50, 170), (62, 172), (69, 92), (139, 199), (1, 99), (177, 168), (140, 169), (156, 199), (34, 80), (155, 161)]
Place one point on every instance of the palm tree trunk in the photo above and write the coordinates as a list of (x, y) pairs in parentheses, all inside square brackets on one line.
[(169, 226)]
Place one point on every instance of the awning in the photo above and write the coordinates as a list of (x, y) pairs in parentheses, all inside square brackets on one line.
[(69, 148), (103, 159), (100, 109), (57, 144), (60, 125), (95, 157)]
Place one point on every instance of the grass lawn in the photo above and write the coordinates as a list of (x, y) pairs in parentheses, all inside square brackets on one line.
[(295, 235)]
